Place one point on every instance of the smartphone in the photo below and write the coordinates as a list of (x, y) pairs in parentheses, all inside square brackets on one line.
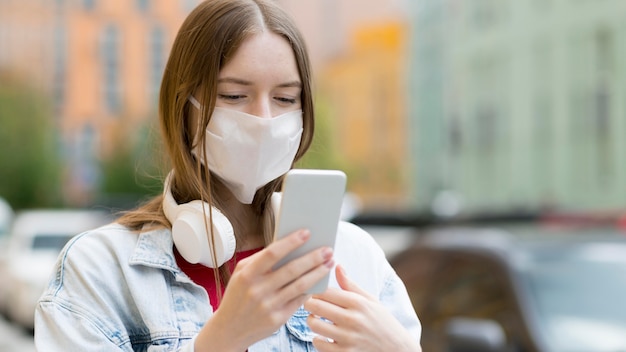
[(311, 199)]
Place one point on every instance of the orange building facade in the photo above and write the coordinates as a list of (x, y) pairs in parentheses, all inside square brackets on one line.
[(366, 88), (359, 49), (101, 63)]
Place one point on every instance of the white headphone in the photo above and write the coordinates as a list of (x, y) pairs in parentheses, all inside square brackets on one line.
[(189, 230)]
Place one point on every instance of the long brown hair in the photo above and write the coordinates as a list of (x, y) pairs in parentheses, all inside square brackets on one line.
[(206, 41)]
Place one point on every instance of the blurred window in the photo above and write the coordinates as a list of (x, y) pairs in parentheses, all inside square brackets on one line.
[(604, 53), (86, 167), (455, 135), (543, 121), (110, 47), (157, 61), (143, 5), (89, 4), (489, 124), (486, 13), (60, 65), (543, 87), (486, 127), (189, 5)]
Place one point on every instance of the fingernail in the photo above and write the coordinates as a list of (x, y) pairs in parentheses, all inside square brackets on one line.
[(329, 263), (305, 234), (327, 253), (343, 271)]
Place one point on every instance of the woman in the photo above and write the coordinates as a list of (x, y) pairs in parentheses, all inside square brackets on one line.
[(236, 111)]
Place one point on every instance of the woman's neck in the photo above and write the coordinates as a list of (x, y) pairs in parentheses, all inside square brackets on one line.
[(248, 225)]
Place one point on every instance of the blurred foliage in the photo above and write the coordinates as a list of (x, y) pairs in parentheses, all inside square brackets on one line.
[(30, 168), (323, 154), (131, 173)]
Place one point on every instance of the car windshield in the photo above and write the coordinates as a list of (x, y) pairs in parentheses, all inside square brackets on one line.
[(578, 294), (53, 242)]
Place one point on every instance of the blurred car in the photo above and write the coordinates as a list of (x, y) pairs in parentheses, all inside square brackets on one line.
[(36, 239), (6, 219), (521, 288)]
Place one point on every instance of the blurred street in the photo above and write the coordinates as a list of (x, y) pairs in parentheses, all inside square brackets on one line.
[(14, 339)]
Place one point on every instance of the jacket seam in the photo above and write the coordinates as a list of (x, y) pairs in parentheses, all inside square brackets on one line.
[(60, 275)]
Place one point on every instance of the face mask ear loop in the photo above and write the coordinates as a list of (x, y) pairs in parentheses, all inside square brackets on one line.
[(195, 102), (198, 106)]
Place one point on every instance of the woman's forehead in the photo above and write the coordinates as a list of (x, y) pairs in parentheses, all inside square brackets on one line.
[(263, 57)]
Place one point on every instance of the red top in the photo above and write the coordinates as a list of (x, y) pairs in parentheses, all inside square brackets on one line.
[(204, 276)]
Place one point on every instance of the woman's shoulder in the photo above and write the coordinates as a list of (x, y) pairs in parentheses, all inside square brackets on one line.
[(106, 251), (98, 242), (353, 238)]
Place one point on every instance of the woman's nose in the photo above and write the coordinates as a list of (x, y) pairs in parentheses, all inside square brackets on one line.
[(262, 108)]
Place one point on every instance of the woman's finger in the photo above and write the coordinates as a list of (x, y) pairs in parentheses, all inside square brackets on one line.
[(323, 327), (322, 344), (268, 257), (299, 266), (328, 310), (300, 284), (350, 295), (348, 285)]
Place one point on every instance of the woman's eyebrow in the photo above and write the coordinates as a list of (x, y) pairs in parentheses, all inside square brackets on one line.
[(244, 82), (239, 81), (296, 84)]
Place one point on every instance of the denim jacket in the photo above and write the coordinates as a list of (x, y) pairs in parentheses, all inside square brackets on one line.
[(115, 290)]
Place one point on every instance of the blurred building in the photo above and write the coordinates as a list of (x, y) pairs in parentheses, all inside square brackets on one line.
[(100, 61), (329, 26), (519, 104), (359, 50)]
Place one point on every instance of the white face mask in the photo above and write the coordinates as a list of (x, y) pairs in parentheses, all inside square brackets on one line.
[(247, 152)]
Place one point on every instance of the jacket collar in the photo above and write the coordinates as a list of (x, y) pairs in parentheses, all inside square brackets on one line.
[(155, 248)]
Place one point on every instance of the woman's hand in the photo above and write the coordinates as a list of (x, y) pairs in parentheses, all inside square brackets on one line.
[(258, 300), (358, 321)]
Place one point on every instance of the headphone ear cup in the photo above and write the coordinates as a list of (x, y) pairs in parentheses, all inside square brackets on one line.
[(192, 241)]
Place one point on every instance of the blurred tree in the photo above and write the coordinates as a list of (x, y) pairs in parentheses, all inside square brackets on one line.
[(30, 168), (131, 173), (323, 153)]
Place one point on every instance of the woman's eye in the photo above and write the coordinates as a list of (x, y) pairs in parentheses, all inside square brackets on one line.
[(286, 100), (231, 97)]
